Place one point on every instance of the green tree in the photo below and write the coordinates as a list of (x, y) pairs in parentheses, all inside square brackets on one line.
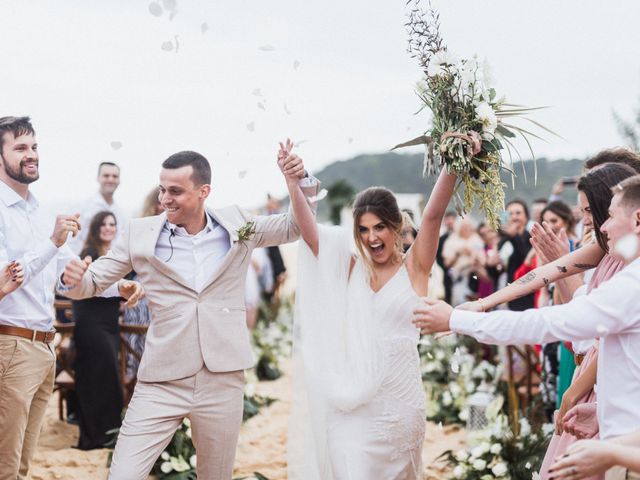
[(339, 195)]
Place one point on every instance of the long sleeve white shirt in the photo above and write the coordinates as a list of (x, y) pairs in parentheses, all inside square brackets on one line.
[(610, 312)]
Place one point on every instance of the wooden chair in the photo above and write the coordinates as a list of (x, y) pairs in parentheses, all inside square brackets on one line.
[(128, 381), (522, 389)]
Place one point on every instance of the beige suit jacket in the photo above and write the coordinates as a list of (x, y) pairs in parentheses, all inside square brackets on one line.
[(190, 329)]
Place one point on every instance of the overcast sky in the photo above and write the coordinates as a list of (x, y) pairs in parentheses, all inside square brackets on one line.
[(333, 73)]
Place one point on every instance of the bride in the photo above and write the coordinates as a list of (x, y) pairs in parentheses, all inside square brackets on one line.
[(358, 403)]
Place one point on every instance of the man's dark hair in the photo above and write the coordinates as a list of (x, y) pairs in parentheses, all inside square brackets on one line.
[(615, 155), (518, 201), (540, 200), (16, 125), (201, 168), (107, 164), (450, 213)]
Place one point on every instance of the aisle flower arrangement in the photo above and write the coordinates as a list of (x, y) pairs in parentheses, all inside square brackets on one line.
[(471, 125)]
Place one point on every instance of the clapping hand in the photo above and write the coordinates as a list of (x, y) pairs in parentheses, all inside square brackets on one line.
[(132, 291), (549, 246), (74, 271), (65, 224), (11, 277)]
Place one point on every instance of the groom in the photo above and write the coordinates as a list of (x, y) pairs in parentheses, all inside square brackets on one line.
[(192, 262)]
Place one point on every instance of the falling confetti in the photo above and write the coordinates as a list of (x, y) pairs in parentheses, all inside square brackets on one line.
[(172, 15), (204, 28), (321, 194), (261, 106), (297, 144), (116, 145), (627, 246), (350, 140), (602, 330), (242, 174), (286, 109), (251, 126), (177, 44), (296, 64), (167, 46), (169, 5), (155, 9), (267, 48), (257, 92)]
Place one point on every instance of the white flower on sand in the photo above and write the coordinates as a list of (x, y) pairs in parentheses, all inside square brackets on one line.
[(480, 450), (459, 471), (499, 469), (166, 467), (487, 116), (439, 60), (496, 448), (464, 414), (462, 455), (446, 399), (479, 464)]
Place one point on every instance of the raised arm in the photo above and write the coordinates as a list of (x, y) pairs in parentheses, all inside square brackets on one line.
[(577, 261), (423, 252), (290, 165)]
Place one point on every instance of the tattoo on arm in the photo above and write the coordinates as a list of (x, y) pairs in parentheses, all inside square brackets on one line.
[(545, 280), (562, 269), (584, 266), (529, 277)]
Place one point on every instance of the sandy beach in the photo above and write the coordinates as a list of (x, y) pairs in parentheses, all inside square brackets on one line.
[(262, 445)]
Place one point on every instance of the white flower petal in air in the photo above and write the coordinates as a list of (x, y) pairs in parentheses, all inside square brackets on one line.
[(116, 145), (257, 92), (627, 246), (204, 28), (177, 44), (296, 64), (251, 126), (261, 106), (286, 109), (297, 144), (155, 9), (169, 5), (242, 174), (350, 140), (321, 195), (167, 46), (266, 48)]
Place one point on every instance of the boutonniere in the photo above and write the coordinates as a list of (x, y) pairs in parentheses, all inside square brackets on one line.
[(247, 231)]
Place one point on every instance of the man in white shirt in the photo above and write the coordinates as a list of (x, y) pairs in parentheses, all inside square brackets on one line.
[(610, 312), (27, 358), (103, 200)]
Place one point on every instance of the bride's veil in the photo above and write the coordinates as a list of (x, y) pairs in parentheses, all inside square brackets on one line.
[(337, 358)]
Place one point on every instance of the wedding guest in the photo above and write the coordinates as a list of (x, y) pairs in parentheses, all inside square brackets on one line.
[(610, 312), (448, 225), (97, 341), (489, 272), (26, 316), (516, 235), (103, 200), (462, 252), (591, 458), (537, 206)]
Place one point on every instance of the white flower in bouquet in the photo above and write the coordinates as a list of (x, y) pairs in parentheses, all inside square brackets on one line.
[(499, 469), (461, 455), (496, 448), (440, 60), (440, 355), (446, 399), (164, 455), (166, 467), (188, 432), (479, 464), (431, 367), (455, 389), (487, 116), (193, 461), (459, 471), (525, 427), (470, 386)]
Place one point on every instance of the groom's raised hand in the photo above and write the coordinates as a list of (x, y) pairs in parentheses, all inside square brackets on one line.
[(291, 165), (432, 316), (74, 271)]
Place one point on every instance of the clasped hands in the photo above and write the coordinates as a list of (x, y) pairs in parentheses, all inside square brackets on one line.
[(291, 165), (433, 316), (132, 291)]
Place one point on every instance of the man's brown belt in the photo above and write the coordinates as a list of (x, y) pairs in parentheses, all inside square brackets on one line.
[(46, 337)]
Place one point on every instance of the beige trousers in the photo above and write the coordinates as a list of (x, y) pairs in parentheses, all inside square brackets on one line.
[(27, 373), (620, 473), (212, 401)]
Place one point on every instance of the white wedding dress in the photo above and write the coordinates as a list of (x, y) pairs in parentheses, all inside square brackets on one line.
[(359, 407)]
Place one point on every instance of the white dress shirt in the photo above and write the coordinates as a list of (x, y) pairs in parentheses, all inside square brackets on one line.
[(25, 236), (196, 256), (87, 211), (611, 312)]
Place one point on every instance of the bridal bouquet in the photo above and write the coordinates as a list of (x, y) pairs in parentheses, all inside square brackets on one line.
[(471, 125)]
